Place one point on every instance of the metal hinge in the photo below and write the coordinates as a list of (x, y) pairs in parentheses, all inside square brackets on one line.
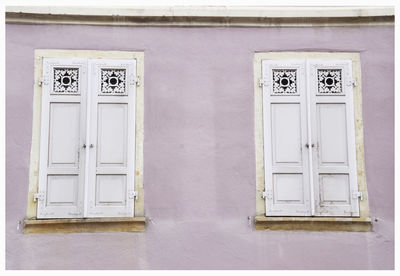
[(262, 82), (38, 196), (267, 194), (357, 194), (42, 81), (133, 195), (352, 82), (135, 80)]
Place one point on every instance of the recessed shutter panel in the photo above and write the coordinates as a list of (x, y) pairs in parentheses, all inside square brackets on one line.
[(62, 156), (287, 191), (332, 127), (112, 138)]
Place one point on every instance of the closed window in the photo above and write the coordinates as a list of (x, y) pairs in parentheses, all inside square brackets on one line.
[(309, 146), (309, 138), (87, 157)]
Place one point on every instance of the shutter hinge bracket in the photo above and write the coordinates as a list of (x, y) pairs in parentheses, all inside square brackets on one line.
[(38, 196), (42, 81), (267, 194), (357, 194), (262, 82), (353, 83), (133, 195), (135, 80)]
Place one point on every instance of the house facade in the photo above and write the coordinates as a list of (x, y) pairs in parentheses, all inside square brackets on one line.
[(200, 138)]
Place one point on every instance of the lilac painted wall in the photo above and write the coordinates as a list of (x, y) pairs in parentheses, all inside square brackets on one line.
[(199, 160)]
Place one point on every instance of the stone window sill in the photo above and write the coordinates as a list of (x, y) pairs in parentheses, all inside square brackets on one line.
[(313, 223), (38, 226)]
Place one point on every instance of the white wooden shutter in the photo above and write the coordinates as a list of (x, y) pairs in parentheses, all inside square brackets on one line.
[(110, 191), (286, 166), (62, 158), (334, 155)]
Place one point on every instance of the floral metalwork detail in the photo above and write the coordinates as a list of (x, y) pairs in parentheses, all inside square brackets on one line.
[(284, 81), (330, 81), (66, 80), (113, 81)]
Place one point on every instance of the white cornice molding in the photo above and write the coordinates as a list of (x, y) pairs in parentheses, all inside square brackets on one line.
[(196, 11), (201, 16)]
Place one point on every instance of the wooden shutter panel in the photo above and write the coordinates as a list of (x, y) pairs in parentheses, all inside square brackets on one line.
[(287, 189), (62, 157), (332, 127), (112, 138)]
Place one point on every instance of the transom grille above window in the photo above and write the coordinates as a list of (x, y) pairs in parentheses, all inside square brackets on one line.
[(330, 81), (113, 81), (66, 80), (284, 81)]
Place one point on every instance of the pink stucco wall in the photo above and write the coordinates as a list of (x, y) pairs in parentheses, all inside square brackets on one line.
[(199, 160)]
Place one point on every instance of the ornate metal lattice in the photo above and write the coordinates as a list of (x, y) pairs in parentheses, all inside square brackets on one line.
[(66, 80), (284, 81), (113, 81), (330, 81)]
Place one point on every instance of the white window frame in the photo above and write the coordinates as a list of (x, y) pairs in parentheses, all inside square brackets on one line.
[(259, 130), (138, 211)]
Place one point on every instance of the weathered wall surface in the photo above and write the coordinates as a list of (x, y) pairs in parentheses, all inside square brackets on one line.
[(199, 163)]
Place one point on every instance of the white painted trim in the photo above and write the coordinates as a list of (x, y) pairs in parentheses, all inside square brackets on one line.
[(202, 16)]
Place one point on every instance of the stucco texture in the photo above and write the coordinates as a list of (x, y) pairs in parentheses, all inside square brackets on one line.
[(199, 154)]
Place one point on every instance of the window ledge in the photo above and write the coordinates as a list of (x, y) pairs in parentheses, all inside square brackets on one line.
[(40, 226), (313, 223)]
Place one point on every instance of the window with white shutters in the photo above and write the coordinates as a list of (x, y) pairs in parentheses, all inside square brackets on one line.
[(87, 144), (309, 138)]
